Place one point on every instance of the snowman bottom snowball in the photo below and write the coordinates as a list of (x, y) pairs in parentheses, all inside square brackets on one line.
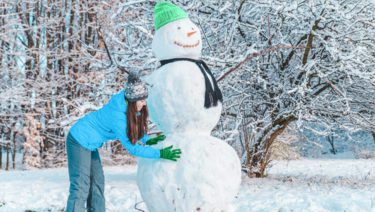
[(206, 177)]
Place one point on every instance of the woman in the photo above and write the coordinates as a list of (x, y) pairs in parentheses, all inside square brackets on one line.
[(123, 118)]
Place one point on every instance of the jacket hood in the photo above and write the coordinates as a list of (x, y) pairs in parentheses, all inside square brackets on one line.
[(117, 102)]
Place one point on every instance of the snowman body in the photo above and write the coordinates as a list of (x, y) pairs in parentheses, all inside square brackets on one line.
[(208, 174)]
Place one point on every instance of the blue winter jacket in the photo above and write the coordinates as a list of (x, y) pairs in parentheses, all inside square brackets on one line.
[(109, 123)]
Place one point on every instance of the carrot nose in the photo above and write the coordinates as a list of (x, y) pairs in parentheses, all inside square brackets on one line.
[(191, 33)]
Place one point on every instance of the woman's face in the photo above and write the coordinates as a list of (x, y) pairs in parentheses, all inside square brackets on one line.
[(140, 104)]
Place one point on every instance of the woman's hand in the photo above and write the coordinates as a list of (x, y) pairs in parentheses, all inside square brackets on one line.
[(155, 140), (166, 153)]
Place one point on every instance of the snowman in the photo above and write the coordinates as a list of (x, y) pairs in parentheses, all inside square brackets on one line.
[(185, 103)]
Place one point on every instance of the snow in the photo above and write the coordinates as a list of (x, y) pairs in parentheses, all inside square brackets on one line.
[(315, 185), (42, 190), (207, 176), (142, 29), (329, 168), (312, 185), (226, 6)]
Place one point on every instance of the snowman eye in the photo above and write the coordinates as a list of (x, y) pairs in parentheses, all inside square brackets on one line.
[(192, 28), (178, 27)]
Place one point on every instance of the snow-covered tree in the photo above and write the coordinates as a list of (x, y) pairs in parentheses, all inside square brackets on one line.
[(53, 63), (331, 81)]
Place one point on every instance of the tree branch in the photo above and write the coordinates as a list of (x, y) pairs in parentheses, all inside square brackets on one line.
[(263, 52)]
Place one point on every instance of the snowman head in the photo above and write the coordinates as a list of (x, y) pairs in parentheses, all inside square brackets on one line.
[(176, 36)]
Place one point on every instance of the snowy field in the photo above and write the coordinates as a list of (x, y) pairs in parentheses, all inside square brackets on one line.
[(304, 185)]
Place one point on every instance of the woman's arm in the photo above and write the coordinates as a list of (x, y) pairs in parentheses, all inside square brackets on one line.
[(145, 138), (136, 150)]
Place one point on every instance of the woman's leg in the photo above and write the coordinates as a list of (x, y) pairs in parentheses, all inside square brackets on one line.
[(96, 200), (79, 164)]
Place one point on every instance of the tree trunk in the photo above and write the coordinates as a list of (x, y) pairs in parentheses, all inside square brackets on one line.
[(14, 150), (24, 155), (330, 140), (91, 31), (7, 165), (258, 155), (49, 31), (30, 40), (37, 17), (1, 154), (71, 66), (1, 147)]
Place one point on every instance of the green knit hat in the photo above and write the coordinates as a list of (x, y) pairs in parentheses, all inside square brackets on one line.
[(166, 12)]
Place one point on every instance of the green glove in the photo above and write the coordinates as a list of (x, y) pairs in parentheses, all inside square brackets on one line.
[(155, 140), (166, 153)]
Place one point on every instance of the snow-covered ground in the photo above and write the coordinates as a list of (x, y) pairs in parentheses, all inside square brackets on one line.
[(304, 185), (341, 185)]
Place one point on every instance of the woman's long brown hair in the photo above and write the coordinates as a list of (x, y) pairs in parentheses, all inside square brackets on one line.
[(136, 125)]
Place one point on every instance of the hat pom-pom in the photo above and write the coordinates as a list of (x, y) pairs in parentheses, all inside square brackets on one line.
[(133, 77)]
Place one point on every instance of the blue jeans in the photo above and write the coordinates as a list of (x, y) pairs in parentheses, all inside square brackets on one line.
[(86, 178)]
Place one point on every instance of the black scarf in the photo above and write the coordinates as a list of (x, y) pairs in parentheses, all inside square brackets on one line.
[(212, 95)]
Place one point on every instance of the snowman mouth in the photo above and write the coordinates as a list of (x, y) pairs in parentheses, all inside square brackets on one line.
[(186, 46)]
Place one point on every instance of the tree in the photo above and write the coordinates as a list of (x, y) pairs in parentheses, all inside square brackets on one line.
[(54, 67), (332, 81)]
